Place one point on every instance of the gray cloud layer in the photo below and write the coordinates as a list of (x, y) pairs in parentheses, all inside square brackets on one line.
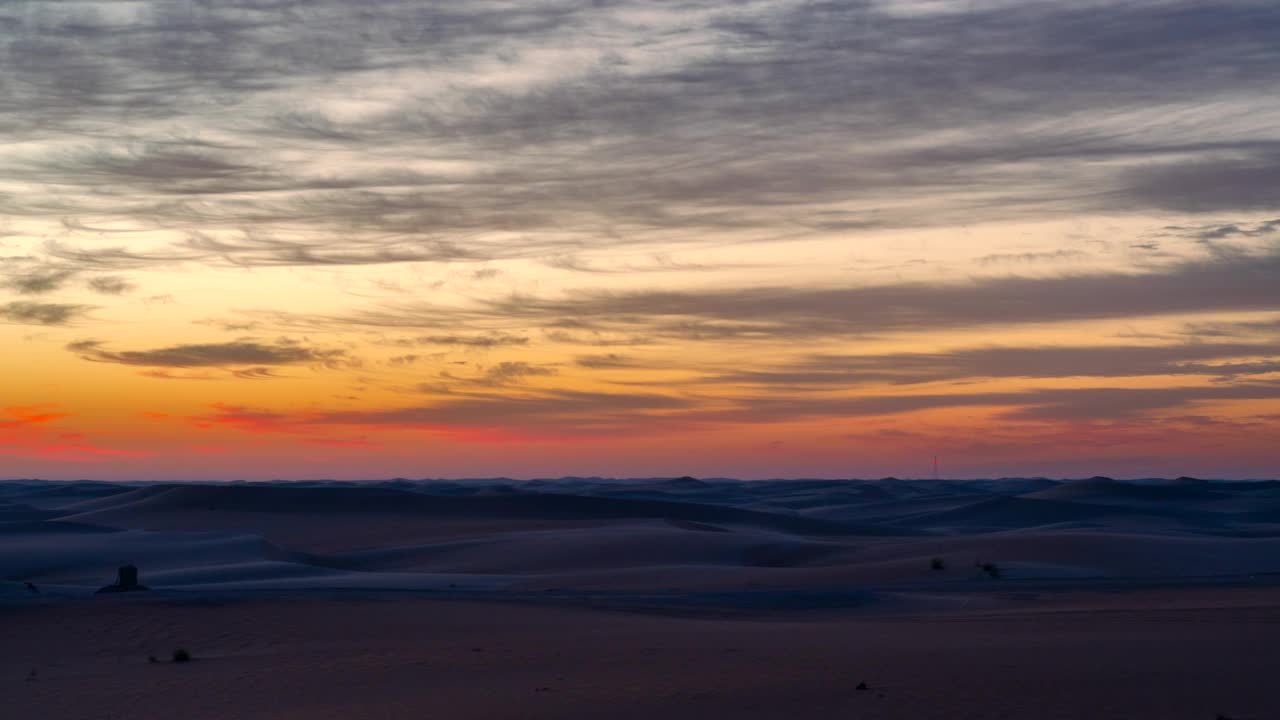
[(834, 371), (1230, 283), (244, 352), (581, 124), (552, 411), (37, 313)]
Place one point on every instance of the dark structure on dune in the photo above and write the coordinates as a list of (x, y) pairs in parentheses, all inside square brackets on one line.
[(126, 581)]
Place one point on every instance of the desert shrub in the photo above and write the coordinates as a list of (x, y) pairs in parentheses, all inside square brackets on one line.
[(181, 655), (937, 564), (991, 569)]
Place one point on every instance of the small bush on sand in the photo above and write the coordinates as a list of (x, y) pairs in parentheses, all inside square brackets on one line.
[(181, 655), (937, 564), (991, 569)]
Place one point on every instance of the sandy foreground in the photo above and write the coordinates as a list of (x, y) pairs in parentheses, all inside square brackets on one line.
[(1198, 655), (678, 598)]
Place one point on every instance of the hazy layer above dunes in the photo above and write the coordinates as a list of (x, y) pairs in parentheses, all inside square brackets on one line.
[(681, 540)]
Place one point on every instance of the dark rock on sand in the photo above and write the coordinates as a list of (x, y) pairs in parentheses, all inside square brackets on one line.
[(126, 581)]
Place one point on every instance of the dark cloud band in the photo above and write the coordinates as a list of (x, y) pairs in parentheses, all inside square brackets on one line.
[(230, 354)]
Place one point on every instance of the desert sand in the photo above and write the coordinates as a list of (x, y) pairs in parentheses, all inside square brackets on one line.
[(579, 597)]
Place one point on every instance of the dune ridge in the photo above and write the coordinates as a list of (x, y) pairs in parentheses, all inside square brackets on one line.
[(671, 597), (667, 536)]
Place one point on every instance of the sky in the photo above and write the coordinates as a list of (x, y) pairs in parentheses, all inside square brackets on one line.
[(321, 238)]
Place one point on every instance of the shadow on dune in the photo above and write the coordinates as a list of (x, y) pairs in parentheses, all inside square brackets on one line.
[(656, 539)]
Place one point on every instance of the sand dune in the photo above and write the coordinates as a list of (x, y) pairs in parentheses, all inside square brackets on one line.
[(819, 534), (80, 554), (58, 495), (601, 548), (16, 512), (922, 588), (1025, 512), (1113, 492), (510, 505)]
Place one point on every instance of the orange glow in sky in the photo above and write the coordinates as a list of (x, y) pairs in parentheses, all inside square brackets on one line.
[(759, 239)]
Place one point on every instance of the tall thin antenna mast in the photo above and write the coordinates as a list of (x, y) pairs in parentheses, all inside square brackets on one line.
[(935, 467)]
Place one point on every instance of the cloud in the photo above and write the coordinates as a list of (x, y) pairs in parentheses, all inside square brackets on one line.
[(1236, 283), (1242, 329), (656, 263), (172, 375), (24, 433), (229, 354), (22, 312), (1222, 283), (549, 130), (490, 340), (255, 373), (110, 285), (252, 250), (593, 337), (117, 257), (1050, 404), (608, 361), (558, 409), (1112, 403), (537, 414), (1031, 257), (27, 415), (551, 413), (248, 419), (1239, 181), (39, 282), (510, 371), (838, 371), (1223, 231)]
